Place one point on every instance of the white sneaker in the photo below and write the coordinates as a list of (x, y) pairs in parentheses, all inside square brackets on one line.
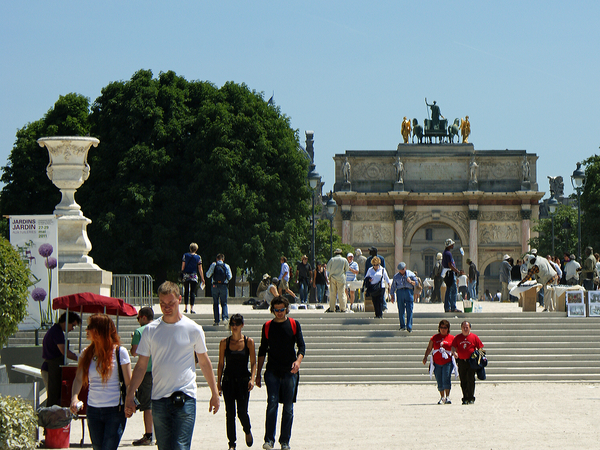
[(268, 445)]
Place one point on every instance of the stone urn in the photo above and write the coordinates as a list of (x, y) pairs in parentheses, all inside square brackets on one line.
[(68, 169)]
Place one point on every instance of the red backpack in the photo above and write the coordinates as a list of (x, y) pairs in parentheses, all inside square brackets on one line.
[(268, 325)]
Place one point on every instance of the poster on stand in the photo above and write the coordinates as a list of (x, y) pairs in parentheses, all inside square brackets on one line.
[(36, 240), (594, 303)]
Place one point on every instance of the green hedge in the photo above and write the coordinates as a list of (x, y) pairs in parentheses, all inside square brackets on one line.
[(14, 281), (17, 424)]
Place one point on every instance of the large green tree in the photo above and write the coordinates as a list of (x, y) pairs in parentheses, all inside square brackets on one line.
[(183, 161), (27, 189), (590, 204), (565, 232)]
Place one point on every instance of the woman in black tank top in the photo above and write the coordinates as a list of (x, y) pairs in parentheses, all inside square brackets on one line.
[(234, 380)]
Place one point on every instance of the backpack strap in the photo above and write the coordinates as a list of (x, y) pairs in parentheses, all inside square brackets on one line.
[(292, 323)]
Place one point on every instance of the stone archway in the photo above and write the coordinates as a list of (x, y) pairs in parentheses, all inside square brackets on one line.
[(426, 240)]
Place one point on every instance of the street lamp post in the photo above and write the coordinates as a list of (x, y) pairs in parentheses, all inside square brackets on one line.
[(331, 209), (313, 181), (552, 205), (578, 182)]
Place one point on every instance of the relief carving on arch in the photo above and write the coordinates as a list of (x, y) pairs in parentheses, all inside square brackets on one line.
[(368, 216), (500, 170), (373, 171), (494, 233), (457, 220), (499, 216), (373, 233)]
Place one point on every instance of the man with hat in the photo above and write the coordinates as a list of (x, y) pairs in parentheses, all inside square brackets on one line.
[(336, 269), (350, 277), (448, 272), (403, 285), (504, 275)]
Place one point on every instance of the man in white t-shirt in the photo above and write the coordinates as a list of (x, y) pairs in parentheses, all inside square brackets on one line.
[(172, 341)]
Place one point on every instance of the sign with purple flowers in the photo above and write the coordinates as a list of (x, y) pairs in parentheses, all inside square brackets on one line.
[(36, 239)]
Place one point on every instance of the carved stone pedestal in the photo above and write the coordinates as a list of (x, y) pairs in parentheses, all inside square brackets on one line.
[(399, 186)]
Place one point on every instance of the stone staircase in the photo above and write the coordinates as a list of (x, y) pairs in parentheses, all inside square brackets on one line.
[(357, 349)]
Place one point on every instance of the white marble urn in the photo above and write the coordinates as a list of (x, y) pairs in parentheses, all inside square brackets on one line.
[(68, 169)]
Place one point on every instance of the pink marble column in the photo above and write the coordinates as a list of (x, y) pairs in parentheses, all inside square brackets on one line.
[(473, 252), (525, 229), (398, 237), (346, 224)]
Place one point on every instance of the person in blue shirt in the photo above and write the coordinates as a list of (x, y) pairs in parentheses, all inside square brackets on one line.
[(403, 285), (220, 274)]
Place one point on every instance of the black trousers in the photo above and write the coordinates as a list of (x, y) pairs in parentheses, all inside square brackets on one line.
[(467, 380), (377, 298), (236, 391), (436, 295)]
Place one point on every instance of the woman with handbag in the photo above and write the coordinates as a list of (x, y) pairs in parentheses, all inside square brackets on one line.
[(234, 380), (105, 366), (374, 283), (442, 364)]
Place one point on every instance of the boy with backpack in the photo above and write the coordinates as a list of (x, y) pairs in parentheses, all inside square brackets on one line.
[(220, 273), (279, 339)]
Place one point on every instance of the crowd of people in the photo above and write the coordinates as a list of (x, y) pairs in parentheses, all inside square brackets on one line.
[(176, 344), (163, 382)]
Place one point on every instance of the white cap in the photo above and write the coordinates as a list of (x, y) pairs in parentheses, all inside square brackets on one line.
[(349, 255), (506, 257)]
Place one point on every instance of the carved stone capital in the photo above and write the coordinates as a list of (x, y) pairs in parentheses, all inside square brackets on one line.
[(346, 215), (473, 214), (525, 214), (399, 214)]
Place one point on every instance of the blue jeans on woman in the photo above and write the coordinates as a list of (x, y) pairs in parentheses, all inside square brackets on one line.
[(320, 292), (106, 426), (280, 390), (174, 425), (443, 375)]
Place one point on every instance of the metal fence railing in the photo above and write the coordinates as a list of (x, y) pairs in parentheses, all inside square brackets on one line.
[(135, 289)]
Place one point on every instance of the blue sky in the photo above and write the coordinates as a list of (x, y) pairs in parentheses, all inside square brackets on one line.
[(524, 72)]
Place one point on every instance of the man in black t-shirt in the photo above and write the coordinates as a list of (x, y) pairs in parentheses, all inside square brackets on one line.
[(279, 339), (304, 275)]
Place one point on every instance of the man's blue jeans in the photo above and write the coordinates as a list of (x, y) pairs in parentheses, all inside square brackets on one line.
[(303, 291), (219, 292), (405, 299), (106, 426), (174, 425), (450, 297), (280, 389), (472, 289)]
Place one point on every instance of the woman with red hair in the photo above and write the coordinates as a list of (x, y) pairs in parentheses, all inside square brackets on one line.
[(98, 368)]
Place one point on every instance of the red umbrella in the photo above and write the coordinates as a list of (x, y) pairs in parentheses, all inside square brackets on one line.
[(88, 302)]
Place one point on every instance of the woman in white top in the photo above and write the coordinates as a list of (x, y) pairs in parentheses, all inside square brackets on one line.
[(98, 368), (375, 277)]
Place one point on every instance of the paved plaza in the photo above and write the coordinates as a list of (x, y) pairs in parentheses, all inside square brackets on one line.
[(391, 416)]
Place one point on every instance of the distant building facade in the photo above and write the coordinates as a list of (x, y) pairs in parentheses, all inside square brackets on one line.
[(482, 199)]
